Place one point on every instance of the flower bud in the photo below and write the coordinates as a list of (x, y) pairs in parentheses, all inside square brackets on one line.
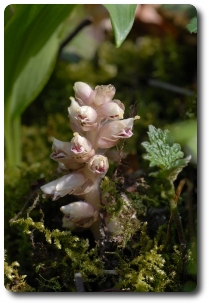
[(73, 111), (112, 110), (104, 94), (112, 132), (79, 213), (84, 93), (67, 184), (99, 165), (78, 209)]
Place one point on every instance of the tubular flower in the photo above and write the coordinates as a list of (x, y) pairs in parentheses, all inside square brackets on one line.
[(80, 213), (67, 184), (62, 153), (104, 94), (60, 150), (112, 132), (82, 117), (86, 116), (99, 165), (81, 148), (112, 111)]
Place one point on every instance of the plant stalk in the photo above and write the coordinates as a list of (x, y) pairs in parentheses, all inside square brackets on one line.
[(94, 198), (178, 224), (13, 141)]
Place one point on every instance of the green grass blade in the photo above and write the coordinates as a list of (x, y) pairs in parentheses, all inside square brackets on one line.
[(122, 18)]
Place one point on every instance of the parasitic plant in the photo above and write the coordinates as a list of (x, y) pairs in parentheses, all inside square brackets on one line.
[(97, 122)]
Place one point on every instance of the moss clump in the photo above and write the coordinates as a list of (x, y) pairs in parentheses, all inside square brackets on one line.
[(13, 281), (55, 254), (141, 263)]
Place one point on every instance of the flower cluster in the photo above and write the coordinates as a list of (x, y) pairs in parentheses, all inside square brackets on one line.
[(97, 122)]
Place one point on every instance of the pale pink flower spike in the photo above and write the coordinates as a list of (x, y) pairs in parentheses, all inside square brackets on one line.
[(97, 122)]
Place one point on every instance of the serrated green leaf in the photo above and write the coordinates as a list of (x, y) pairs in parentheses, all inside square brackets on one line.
[(172, 173), (161, 151), (164, 153), (122, 18), (192, 26)]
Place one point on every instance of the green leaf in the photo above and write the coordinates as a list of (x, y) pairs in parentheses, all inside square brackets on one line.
[(172, 173), (122, 18), (9, 12), (32, 38), (164, 153), (192, 25)]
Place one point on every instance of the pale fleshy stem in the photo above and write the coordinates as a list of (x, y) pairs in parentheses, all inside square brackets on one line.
[(94, 197), (92, 137)]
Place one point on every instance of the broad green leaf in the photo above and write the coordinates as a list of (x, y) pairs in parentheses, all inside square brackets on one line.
[(32, 38), (122, 18), (9, 12)]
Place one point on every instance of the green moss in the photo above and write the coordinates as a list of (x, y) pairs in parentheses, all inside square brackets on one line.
[(13, 281), (150, 268), (110, 194), (142, 264)]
